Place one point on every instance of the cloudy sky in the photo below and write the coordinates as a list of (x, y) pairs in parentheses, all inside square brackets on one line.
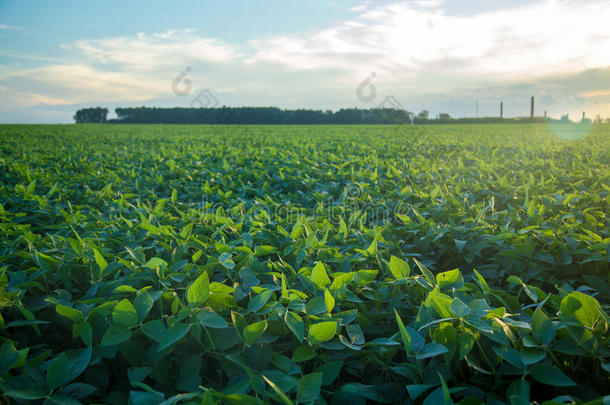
[(461, 56)]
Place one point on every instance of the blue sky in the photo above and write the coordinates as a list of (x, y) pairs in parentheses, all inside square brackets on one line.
[(443, 56)]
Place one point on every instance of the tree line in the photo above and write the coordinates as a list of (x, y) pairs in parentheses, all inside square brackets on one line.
[(274, 115), (243, 115)]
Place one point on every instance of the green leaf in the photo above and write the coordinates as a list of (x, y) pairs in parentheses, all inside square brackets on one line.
[(322, 331), (399, 268), (70, 313), (115, 334), (404, 334), (80, 363), (211, 319), (356, 336), (303, 353), (319, 276), (99, 259), (198, 292), (482, 283), (295, 324), (441, 303), (58, 373), (143, 303), (278, 391), (78, 391), (264, 250), (155, 262), (253, 331), (138, 374), (125, 314), (329, 301), (447, 278), (155, 330), (9, 356), (308, 389), (542, 328), (459, 309), (226, 261), (581, 306), (259, 301), (551, 375), (173, 335), (431, 350), (21, 388)]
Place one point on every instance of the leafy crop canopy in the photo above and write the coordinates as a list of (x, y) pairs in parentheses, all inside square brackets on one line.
[(303, 264)]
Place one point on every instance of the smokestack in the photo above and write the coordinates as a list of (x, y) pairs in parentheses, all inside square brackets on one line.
[(501, 109), (532, 109), (544, 113), (583, 116)]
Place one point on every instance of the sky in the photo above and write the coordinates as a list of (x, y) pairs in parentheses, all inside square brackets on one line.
[(461, 57)]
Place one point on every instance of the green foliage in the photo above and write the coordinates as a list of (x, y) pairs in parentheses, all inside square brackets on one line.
[(223, 264)]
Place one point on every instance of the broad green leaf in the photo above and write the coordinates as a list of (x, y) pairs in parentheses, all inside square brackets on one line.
[(295, 324), (308, 389), (143, 303), (9, 356), (447, 278), (125, 314), (155, 262), (356, 336), (253, 331), (303, 353), (458, 308), (197, 293), (322, 331), (115, 334), (21, 388), (581, 306), (542, 328), (551, 375), (211, 320), (441, 303), (155, 330), (173, 335), (431, 350), (67, 312), (58, 373), (99, 259), (259, 301), (399, 268), (319, 276)]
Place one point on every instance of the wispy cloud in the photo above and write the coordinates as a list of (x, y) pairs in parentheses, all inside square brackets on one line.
[(152, 51), (5, 27)]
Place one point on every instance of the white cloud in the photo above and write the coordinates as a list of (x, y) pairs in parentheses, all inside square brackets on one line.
[(153, 51), (406, 39)]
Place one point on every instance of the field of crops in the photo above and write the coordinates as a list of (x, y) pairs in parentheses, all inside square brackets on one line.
[(304, 264)]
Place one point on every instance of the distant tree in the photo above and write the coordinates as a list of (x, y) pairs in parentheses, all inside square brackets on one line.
[(599, 119), (91, 115), (423, 115), (565, 118), (444, 116)]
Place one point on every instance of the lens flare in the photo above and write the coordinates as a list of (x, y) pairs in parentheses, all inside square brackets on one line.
[(570, 131)]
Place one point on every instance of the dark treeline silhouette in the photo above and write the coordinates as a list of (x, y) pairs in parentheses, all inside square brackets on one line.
[(91, 115), (259, 115), (274, 115)]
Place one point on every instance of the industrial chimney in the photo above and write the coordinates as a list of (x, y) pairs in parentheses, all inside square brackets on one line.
[(532, 109)]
